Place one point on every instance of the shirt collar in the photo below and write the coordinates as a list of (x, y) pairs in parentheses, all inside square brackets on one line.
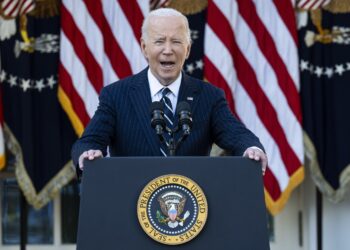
[(155, 85)]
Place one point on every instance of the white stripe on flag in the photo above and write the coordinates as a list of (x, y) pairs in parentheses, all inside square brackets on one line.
[(224, 63), (77, 71), (309, 4), (10, 8), (268, 82), (93, 36), (124, 35), (285, 171), (246, 110), (284, 41), (144, 6)]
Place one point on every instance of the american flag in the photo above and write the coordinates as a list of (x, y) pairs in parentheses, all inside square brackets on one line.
[(100, 43), (251, 52), (312, 4), (13, 8), (155, 4), (10, 9)]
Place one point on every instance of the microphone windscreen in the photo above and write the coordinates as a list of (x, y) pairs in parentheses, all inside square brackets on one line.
[(183, 106), (156, 106)]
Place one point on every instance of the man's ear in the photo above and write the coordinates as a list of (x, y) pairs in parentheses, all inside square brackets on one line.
[(143, 48), (188, 50)]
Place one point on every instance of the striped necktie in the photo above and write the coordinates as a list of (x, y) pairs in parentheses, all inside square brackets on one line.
[(168, 107), (168, 115)]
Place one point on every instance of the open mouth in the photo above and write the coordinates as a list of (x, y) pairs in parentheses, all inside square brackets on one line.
[(167, 64)]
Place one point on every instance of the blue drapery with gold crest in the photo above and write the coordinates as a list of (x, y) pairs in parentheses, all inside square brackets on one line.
[(39, 134), (324, 36)]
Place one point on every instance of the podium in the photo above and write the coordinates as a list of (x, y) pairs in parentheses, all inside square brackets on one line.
[(233, 188)]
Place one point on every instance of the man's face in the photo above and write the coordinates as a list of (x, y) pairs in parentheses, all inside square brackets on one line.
[(166, 47)]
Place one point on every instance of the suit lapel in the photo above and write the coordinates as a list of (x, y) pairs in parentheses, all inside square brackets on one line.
[(141, 100), (189, 92)]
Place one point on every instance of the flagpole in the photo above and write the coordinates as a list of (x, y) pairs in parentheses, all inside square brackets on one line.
[(23, 222), (319, 222)]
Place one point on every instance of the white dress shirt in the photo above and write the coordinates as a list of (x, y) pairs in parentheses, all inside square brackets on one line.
[(155, 88)]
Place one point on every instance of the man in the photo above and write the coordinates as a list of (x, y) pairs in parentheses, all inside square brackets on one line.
[(122, 120)]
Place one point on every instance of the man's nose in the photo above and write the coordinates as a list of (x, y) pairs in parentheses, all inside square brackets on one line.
[(168, 48)]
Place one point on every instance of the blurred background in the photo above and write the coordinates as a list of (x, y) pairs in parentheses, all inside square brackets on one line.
[(284, 66)]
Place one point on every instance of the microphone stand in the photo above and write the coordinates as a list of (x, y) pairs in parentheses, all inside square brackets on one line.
[(173, 144), (172, 147), (158, 123)]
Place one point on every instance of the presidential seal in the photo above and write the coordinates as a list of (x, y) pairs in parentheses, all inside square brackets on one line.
[(172, 209)]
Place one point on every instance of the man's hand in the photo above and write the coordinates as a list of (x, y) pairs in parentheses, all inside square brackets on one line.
[(257, 154), (90, 155)]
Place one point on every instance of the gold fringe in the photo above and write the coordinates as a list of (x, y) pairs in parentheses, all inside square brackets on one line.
[(311, 162), (46, 8), (68, 108), (188, 7), (51, 189), (318, 178), (276, 206), (3, 15), (338, 6), (2, 161), (316, 18), (23, 29)]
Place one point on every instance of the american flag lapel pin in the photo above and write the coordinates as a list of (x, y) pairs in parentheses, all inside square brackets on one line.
[(189, 98)]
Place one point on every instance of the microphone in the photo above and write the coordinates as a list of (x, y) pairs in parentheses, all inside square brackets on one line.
[(185, 119), (157, 118)]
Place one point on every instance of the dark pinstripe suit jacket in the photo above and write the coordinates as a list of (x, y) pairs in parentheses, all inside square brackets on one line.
[(122, 121)]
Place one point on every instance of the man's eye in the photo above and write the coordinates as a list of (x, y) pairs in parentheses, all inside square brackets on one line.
[(158, 42)]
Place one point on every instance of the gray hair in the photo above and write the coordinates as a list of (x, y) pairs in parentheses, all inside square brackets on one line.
[(164, 12)]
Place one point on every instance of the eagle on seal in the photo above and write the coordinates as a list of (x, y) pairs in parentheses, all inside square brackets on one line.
[(172, 205)]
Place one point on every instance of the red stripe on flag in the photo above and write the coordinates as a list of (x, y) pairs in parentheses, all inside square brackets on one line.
[(268, 48), (286, 11), (14, 8), (214, 76), (26, 10), (67, 85), (93, 69), (134, 15), (112, 49), (247, 77), (301, 6), (304, 4), (213, 17), (272, 185), (7, 5), (315, 5)]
